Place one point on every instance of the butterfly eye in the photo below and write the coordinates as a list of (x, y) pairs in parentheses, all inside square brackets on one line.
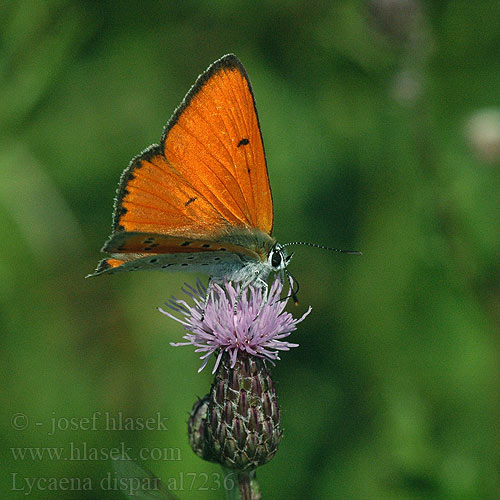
[(276, 259)]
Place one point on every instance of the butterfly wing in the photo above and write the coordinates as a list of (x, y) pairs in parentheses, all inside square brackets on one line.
[(209, 173), (213, 263), (206, 182), (133, 251)]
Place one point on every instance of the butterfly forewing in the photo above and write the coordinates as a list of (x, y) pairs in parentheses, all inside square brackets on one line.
[(156, 198), (210, 171), (214, 141), (204, 189)]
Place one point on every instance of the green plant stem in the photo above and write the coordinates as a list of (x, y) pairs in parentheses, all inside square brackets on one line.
[(241, 485)]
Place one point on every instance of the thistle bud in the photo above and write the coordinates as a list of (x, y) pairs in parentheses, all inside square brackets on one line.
[(243, 417), (197, 429)]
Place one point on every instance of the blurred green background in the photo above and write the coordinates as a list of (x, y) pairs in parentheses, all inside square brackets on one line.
[(381, 122)]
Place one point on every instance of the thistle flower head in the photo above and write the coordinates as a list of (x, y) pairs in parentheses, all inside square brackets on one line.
[(257, 328)]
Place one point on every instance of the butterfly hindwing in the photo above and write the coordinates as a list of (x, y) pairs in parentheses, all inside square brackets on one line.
[(133, 251), (212, 263), (153, 243)]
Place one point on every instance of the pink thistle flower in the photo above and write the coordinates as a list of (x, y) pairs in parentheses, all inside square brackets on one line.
[(258, 327)]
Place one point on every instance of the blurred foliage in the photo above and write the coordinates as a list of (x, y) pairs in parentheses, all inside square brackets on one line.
[(369, 113)]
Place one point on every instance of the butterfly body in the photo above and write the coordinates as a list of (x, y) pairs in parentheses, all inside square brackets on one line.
[(200, 200), (238, 256)]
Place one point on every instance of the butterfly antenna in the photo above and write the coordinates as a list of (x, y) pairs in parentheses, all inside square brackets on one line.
[(305, 243)]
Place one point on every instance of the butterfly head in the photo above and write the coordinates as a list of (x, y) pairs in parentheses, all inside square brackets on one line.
[(278, 258)]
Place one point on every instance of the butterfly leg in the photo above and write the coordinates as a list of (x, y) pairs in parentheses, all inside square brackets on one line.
[(211, 280), (264, 295)]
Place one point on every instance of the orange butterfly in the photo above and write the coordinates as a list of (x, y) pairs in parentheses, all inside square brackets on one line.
[(200, 200)]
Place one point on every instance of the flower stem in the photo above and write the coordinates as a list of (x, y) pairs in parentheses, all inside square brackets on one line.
[(245, 488)]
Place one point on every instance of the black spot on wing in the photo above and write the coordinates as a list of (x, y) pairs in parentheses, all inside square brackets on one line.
[(190, 201), (227, 62), (243, 142)]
